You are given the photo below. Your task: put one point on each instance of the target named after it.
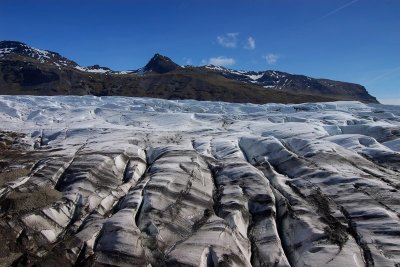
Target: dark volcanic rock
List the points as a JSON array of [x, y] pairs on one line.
[[160, 64], [27, 74]]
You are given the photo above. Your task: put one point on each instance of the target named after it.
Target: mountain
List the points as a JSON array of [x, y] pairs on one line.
[[160, 64], [28, 70], [17, 50], [298, 83]]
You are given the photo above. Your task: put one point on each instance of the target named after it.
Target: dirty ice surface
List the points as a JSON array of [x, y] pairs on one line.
[[189, 183]]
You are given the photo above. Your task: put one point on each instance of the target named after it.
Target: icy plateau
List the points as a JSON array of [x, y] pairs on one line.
[[119, 181]]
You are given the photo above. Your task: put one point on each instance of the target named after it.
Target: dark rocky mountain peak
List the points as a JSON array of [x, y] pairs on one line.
[[13, 49], [160, 64], [11, 44]]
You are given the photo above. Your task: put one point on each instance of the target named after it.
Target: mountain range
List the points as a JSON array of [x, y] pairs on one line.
[[25, 70]]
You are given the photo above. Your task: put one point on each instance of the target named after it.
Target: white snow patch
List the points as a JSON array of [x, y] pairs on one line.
[[255, 76]]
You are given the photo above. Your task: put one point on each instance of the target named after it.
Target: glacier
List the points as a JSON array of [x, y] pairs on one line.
[[120, 181]]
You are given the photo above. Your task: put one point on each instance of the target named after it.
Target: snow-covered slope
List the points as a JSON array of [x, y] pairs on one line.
[[188, 183]]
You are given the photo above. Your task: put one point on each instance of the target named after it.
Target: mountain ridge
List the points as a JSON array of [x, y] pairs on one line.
[[36, 71]]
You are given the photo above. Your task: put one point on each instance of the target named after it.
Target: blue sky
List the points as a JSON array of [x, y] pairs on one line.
[[349, 40]]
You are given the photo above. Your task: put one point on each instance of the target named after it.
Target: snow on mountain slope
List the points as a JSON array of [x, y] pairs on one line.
[[188, 183], [295, 83], [10, 48]]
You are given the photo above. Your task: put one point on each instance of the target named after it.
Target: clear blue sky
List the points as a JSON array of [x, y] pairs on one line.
[[349, 40]]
